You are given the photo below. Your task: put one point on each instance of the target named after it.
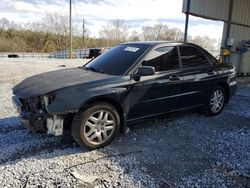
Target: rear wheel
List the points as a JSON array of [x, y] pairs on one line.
[[216, 101], [96, 126]]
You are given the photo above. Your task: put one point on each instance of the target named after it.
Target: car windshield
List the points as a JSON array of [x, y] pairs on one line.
[[117, 60]]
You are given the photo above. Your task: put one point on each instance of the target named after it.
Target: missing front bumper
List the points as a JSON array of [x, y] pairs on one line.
[[52, 125], [17, 104], [34, 124], [39, 121]]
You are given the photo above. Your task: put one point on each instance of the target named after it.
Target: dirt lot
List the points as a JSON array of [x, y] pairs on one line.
[[178, 150]]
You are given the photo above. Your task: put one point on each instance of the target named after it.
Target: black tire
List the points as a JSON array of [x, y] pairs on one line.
[[209, 110], [79, 125]]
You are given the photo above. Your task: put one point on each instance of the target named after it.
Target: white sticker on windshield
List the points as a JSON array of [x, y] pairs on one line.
[[131, 49]]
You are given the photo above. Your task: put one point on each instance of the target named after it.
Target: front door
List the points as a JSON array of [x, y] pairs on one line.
[[158, 93]]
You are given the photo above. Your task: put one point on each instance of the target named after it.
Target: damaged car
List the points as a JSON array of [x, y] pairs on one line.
[[129, 82]]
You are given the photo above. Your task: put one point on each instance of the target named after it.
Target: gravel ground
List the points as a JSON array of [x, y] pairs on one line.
[[177, 150], [15, 70]]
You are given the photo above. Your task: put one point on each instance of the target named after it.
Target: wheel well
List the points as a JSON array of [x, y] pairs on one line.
[[227, 90], [115, 104]]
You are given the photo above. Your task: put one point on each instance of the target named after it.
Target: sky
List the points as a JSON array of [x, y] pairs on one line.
[[136, 13]]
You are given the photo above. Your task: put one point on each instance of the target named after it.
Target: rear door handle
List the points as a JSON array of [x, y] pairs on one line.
[[174, 78], [211, 73]]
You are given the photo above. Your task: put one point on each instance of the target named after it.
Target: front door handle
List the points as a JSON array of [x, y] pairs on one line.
[[174, 78]]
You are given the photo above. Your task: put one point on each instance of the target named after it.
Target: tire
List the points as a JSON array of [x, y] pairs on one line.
[[96, 126], [215, 102]]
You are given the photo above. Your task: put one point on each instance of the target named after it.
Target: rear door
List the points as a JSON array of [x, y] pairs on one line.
[[197, 75]]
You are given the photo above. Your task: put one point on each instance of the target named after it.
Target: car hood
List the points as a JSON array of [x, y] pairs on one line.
[[50, 81]]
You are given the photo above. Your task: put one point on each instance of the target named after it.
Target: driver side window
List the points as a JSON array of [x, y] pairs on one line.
[[163, 59]]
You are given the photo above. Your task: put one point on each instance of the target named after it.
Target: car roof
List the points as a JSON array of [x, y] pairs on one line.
[[157, 43]]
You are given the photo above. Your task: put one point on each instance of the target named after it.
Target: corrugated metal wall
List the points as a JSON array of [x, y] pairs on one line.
[[239, 33], [213, 9], [241, 12], [219, 10]]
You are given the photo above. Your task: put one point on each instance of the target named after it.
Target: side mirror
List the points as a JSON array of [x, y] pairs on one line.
[[146, 71], [143, 71]]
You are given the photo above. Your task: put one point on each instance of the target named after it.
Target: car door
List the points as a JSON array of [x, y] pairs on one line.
[[158, 93], [197, 75]]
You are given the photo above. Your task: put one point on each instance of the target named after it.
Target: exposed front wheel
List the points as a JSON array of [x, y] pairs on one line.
[[96, 126], [216, 101]]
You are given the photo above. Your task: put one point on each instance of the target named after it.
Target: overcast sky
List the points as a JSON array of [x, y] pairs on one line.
[[136, 13]]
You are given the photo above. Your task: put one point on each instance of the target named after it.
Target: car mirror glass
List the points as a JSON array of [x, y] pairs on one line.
[[146, 71]]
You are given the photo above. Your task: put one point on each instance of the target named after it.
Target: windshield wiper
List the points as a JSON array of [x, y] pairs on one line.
[[93, 69]]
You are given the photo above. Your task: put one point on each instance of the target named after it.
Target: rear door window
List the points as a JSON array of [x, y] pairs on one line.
[[192, 57]]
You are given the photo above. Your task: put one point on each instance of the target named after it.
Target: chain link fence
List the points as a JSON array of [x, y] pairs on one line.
[[78, 54], [24, 55]]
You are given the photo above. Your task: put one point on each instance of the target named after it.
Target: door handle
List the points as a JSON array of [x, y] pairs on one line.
[[174, 78], [211, 73]]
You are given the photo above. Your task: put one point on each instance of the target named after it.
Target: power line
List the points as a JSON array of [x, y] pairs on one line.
[[63, 7], [75, 8]]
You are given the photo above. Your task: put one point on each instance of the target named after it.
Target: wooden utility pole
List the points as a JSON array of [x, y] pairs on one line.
[[70, 28], [83, 33]]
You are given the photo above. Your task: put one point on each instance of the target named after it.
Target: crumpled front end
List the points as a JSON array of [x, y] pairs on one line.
[[35, 116]]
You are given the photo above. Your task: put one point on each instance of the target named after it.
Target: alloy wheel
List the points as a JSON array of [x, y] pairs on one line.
[[217, 101], [99, 127]]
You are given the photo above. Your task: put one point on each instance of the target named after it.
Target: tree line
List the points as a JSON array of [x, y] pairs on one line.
[[52, 34]]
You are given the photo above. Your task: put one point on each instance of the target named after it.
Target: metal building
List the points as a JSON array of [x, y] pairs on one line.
[[234, 13]]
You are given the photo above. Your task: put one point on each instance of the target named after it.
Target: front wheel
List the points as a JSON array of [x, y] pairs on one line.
[[216, 102], [96, 126]]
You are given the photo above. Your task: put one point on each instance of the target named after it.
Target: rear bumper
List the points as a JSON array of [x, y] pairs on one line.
[[233, 88]]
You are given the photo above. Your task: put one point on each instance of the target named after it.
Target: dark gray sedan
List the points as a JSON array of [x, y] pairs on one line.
[[129, 82]]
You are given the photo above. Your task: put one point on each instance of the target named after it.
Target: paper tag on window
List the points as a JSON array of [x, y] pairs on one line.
[[131, 49]]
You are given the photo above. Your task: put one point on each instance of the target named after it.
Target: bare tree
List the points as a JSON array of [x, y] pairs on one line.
[[114, 32], [52, 34], [174, 34], [59, 25], [134, 36], [204, 41], [161, 32], [4, 24], [156, 32], [120, 30], [148, 33]]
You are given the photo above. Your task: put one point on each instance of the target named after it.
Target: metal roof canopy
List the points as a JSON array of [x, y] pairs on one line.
[[232, 12]]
